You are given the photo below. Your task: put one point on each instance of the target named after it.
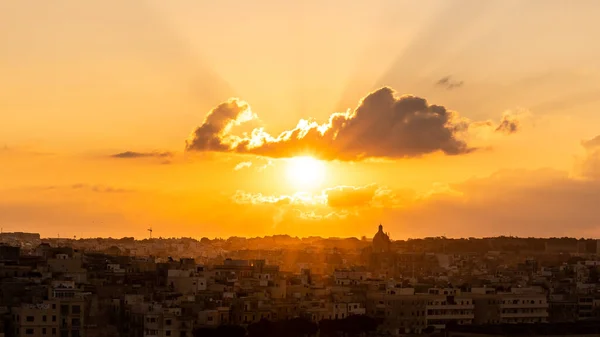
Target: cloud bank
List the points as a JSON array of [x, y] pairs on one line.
[[383, 125], [544, 202], [134, 155]]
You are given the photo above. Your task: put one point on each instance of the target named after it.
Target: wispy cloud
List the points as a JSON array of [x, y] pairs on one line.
[[133, 155], [510, 123], [242, 165], [98, 188], [448, 83]]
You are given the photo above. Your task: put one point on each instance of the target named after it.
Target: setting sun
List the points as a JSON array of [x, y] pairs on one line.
[[305, 172]]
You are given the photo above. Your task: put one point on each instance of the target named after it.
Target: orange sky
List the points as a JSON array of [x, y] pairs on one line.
[[456, 118]]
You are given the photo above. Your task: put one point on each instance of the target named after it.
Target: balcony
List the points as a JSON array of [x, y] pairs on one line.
[[451, 316], [450, 306], [358, 311], [541, 314], [523, 305]]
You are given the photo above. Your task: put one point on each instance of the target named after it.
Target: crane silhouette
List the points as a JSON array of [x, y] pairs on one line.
[[150, 230]]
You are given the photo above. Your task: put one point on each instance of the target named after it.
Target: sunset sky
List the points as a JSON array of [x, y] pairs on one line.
[[327, 117]]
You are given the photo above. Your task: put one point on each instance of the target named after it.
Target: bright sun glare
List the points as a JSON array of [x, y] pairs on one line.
[[305, 172]]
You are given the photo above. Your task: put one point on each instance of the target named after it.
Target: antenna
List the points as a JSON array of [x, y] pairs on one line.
[[150, 230]]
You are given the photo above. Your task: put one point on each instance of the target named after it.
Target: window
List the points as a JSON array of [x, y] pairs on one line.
[[43, 331], [168, 322], [64, 309], [54, 331], [29, 331], [168, 333], [53, 305], [76, 309], [44, 318], [53, 318], [29, 318]]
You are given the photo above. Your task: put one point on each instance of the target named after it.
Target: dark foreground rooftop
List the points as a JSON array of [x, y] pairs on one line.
[[589, 328]]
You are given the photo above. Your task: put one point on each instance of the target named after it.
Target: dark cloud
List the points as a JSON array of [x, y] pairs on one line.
[[212, 134], [383, 125], [448, 83], [509, 124], [592, 143], [133, 155]]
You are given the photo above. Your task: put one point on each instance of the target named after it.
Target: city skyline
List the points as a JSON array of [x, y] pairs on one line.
[[203, 119]]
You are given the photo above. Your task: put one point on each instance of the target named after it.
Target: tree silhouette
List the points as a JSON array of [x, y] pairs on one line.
[[230, 331], [428, 330], [302, 327], [204, 332], [357, 325], [329, 327], [264, 328]]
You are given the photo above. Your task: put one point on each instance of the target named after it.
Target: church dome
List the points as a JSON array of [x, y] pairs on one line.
[[381, 241]]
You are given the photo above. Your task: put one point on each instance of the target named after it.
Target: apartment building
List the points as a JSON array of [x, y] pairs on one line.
[[37, 320], [62, 315], [588, 307], [520, 305], [405, 311], [402, 311], [61, 318], [213, 317], [156, 320], [71, 304], [69, 266], [186, 281], [251, 310], [345, 277], [446, 306]]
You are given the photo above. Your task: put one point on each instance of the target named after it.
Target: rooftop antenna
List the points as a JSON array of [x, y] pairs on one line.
[[150, 230]]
